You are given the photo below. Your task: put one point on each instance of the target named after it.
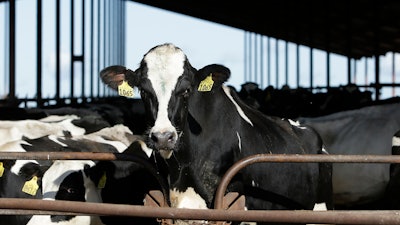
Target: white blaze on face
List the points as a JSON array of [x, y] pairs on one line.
[[165, 66]]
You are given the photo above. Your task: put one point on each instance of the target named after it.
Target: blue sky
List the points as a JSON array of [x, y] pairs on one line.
[[203, 42]]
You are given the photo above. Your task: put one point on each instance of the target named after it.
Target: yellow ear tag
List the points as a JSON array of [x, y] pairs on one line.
[[125, 90], [206, 84], [1, 169], [30, 187], [102, 181]]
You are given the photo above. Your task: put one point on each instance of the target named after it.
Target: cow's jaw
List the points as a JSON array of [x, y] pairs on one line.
[[165, 65]]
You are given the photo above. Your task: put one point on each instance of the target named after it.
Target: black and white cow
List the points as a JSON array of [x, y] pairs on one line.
[[75, 180], [201, 128], [365, 131], [392, 195]]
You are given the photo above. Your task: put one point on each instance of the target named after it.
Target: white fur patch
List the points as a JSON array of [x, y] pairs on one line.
[[296, 123], [239, 141], [396, 141], [14, 130], [319, 207], [239, 110], [188, 199], [146, 149]]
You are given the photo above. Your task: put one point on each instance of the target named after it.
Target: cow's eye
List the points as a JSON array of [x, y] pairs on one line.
[[143, 93], [186, 93]]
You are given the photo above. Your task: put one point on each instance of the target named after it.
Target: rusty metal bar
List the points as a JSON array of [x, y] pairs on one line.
[[297, 216], [218, 214], [275, 158], [307, 158]]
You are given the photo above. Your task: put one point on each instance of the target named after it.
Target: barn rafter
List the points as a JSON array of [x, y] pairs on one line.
[[357, 28]]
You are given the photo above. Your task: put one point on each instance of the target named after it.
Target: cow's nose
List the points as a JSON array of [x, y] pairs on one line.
[[163, 139]]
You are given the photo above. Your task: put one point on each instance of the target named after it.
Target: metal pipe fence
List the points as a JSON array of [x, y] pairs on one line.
[[43, 207]]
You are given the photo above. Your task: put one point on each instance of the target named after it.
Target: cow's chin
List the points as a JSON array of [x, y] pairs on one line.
[[166, 153]]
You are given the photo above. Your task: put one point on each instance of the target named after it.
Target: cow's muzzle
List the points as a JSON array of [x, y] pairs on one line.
[[164, 142]]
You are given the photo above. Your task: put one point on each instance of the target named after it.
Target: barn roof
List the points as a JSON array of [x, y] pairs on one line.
[[355, 28]]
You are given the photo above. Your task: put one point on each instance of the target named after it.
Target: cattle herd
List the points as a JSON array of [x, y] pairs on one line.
[[189, 128]]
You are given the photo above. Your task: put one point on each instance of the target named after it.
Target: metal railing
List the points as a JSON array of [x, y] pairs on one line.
[[29, 206]]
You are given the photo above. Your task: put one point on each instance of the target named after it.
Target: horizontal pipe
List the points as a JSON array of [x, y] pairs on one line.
[[275, 158], [297, 216]]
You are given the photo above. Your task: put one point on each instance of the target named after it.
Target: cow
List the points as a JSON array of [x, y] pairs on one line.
[[128, 182], [201, 127], [392, 197], [365, 131], [76, 180]]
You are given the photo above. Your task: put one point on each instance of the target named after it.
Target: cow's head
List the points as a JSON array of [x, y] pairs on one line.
[[164, 79]]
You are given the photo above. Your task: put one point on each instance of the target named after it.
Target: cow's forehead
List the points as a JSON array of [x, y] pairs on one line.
[[165, 65]]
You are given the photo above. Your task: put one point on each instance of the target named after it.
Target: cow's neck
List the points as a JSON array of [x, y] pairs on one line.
[[199, 163]]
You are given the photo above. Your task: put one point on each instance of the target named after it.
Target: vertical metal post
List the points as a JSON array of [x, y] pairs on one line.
[[58, 52], [83, 82], [11, 56], [311, 68], [366, 71], [354, 71], [377, 76], [255, 58], [277, 63], [286, 63], [348, 69], [328, 37], [262, 62], [245, 56], [393, 74], [376, 23], [269, 61], [72, 35], [91, 61], [297, 65], [104, 34], [98, 46], [250, 58], [39, 102]]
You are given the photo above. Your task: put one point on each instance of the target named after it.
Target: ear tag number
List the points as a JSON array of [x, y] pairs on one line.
[[125, 90], [206, 84], [1, 169], [102, 181], [30, 187]]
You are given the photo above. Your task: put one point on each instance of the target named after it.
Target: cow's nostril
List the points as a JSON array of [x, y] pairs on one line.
[[154, 137]]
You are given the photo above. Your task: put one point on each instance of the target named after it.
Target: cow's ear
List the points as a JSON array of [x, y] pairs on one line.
[[113, 76], [219, 74]]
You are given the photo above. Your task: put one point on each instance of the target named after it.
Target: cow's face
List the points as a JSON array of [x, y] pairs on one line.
[[164, 80]]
